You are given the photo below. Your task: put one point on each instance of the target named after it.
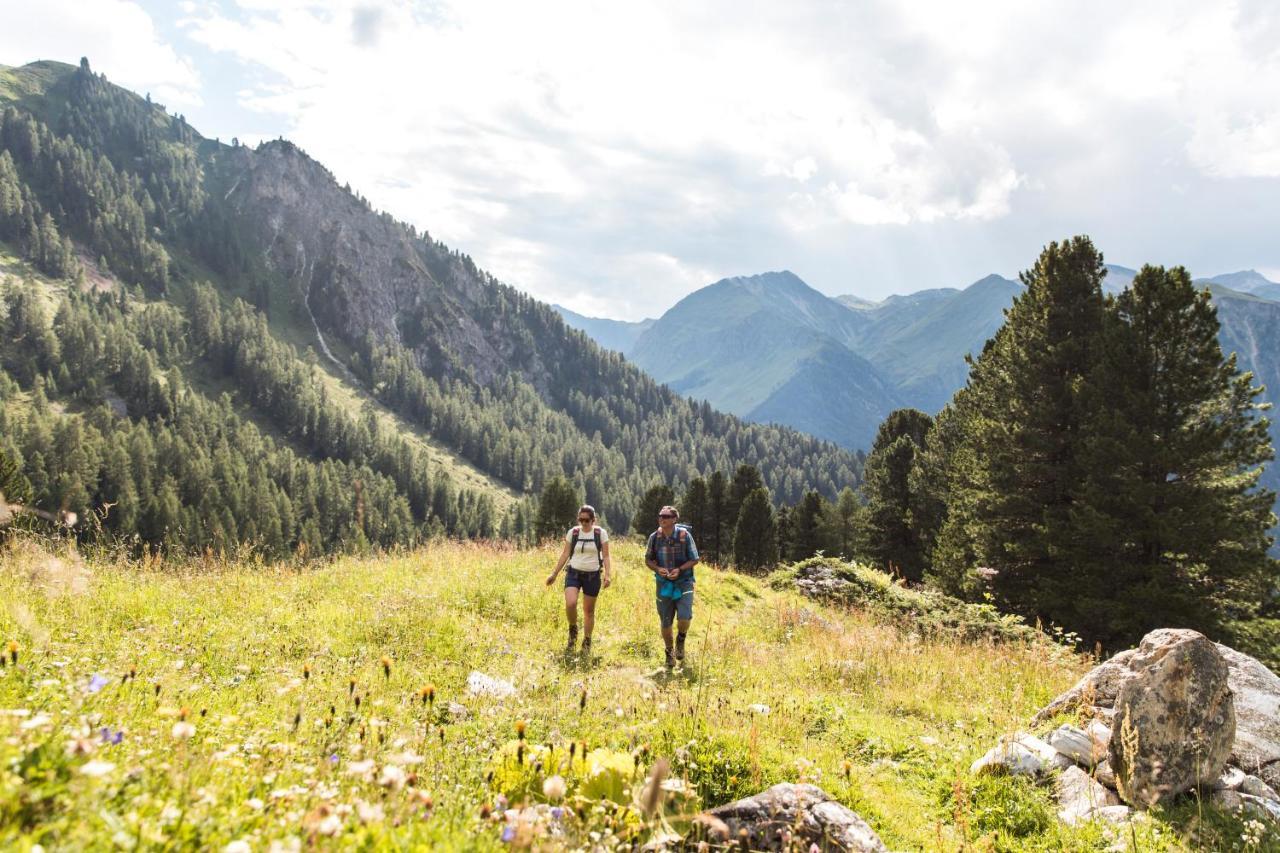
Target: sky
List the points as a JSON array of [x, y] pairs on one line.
[[614, 157]]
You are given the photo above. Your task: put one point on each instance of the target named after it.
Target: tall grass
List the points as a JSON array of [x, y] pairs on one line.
[[209, 702]]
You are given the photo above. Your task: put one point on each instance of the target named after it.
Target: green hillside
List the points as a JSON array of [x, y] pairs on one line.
[[248, 286], [192, 706]]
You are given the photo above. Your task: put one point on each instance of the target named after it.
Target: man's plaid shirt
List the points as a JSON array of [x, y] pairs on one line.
[[669, 552]]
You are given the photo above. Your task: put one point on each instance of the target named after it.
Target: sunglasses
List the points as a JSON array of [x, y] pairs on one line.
[[667, 515], [584, 518]]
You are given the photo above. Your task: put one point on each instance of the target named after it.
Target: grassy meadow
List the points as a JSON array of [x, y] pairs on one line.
[[223, 705]]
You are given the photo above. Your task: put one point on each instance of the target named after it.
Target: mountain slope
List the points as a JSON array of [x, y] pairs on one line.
[[1249, 281], [616, 335], [474, 366], [767, 347]]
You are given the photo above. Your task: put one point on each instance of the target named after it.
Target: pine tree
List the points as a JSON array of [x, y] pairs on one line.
[[1012, 479], [556, 508], [890, 538], [718, 521], [842, 523], [1172, 529], [806, 527], [695, 506], [645, 521], [746, 479], [755, 544]]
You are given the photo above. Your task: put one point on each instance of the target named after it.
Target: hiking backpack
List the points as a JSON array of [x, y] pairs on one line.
[[599, 548]]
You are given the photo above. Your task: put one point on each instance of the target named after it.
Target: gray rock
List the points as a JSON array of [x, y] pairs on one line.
[[1231, 778], [1256, 748], [784, 814], [1008, 757], [1079, 796], [481, 684], [1050, 758], [1174, 718], [458, 712], [1234, 801], [1077, 745], [1116, 814], [1104, 774], [1255, 787]]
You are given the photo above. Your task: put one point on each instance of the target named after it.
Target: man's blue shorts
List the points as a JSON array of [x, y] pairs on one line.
[[670, 609], [588, 582]]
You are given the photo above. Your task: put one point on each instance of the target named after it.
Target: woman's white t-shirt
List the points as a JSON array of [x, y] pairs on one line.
[[584, 557]]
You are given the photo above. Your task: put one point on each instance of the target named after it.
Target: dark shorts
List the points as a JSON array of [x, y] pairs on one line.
[[671, 609], [588, 582]]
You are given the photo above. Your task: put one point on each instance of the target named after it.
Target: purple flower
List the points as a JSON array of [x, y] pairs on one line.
[[508, 832], [110, 737], [96, 683], [557, 812], [333, 759]]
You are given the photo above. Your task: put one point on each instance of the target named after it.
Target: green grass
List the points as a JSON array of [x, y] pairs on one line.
[[884, 719]]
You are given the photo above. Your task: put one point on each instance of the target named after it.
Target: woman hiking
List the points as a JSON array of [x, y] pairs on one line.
[[586, 550]]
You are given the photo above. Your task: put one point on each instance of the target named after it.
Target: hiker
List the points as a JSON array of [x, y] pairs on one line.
[[671, 555], [586, 550]]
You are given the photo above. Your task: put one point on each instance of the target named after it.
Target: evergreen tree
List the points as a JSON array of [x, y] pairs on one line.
[[695, 507], [1012, 482], [645, 521], [718, 521], [842, 523], [1171, 527], [890, 539], [746, 479], [556, 508], [806, 527], [755, 544]]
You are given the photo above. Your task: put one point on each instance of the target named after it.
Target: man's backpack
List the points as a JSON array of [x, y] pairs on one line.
[[599, 547], [683, 533]]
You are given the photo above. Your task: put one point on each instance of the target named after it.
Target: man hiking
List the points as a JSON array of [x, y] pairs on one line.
[[586, 550], [671, 555]]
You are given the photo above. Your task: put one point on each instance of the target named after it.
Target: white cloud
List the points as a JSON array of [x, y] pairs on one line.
[[119, 38]]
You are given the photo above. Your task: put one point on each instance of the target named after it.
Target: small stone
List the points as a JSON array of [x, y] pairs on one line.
[[1049, 757], [458, 711], [786, 813], [1079, 796], [1104, 774], [1255, 787], [1076, 745], [1011, 757], [480, 684], [1231, 778]]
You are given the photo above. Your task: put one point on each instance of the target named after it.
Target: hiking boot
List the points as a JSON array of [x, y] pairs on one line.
[[671, 660], [680, 648], [573, 641], [586, 647]]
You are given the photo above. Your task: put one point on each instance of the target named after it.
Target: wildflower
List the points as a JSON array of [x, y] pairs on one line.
[[392, 777], [13, 652], [386, 666], [184, 712], [357, 701], [96, 768], [520, 727], [351, 686], [157, 686], [362, 769], [369, 812], [429, 695], [485, 812], [39, 721], [329, 825], [182, 730], [582, 700], [424, 797], [96, 683], [553, 788], [306, 672], [256, 804], [79, 746], [846, 767], [238, 846], [133, 673]]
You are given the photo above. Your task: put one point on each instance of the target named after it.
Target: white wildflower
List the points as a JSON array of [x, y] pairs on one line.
[[238, 846], [362, 769], [553, 788], [759, 708], [369, 812], [97, 768], [255, 803], [182, 730], [39, 721], [392, 777], [330, 825]]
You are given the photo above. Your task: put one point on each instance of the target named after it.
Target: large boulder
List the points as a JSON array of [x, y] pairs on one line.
[[1256, 690], [1174, 720], [788, 814], [1257, 697]]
